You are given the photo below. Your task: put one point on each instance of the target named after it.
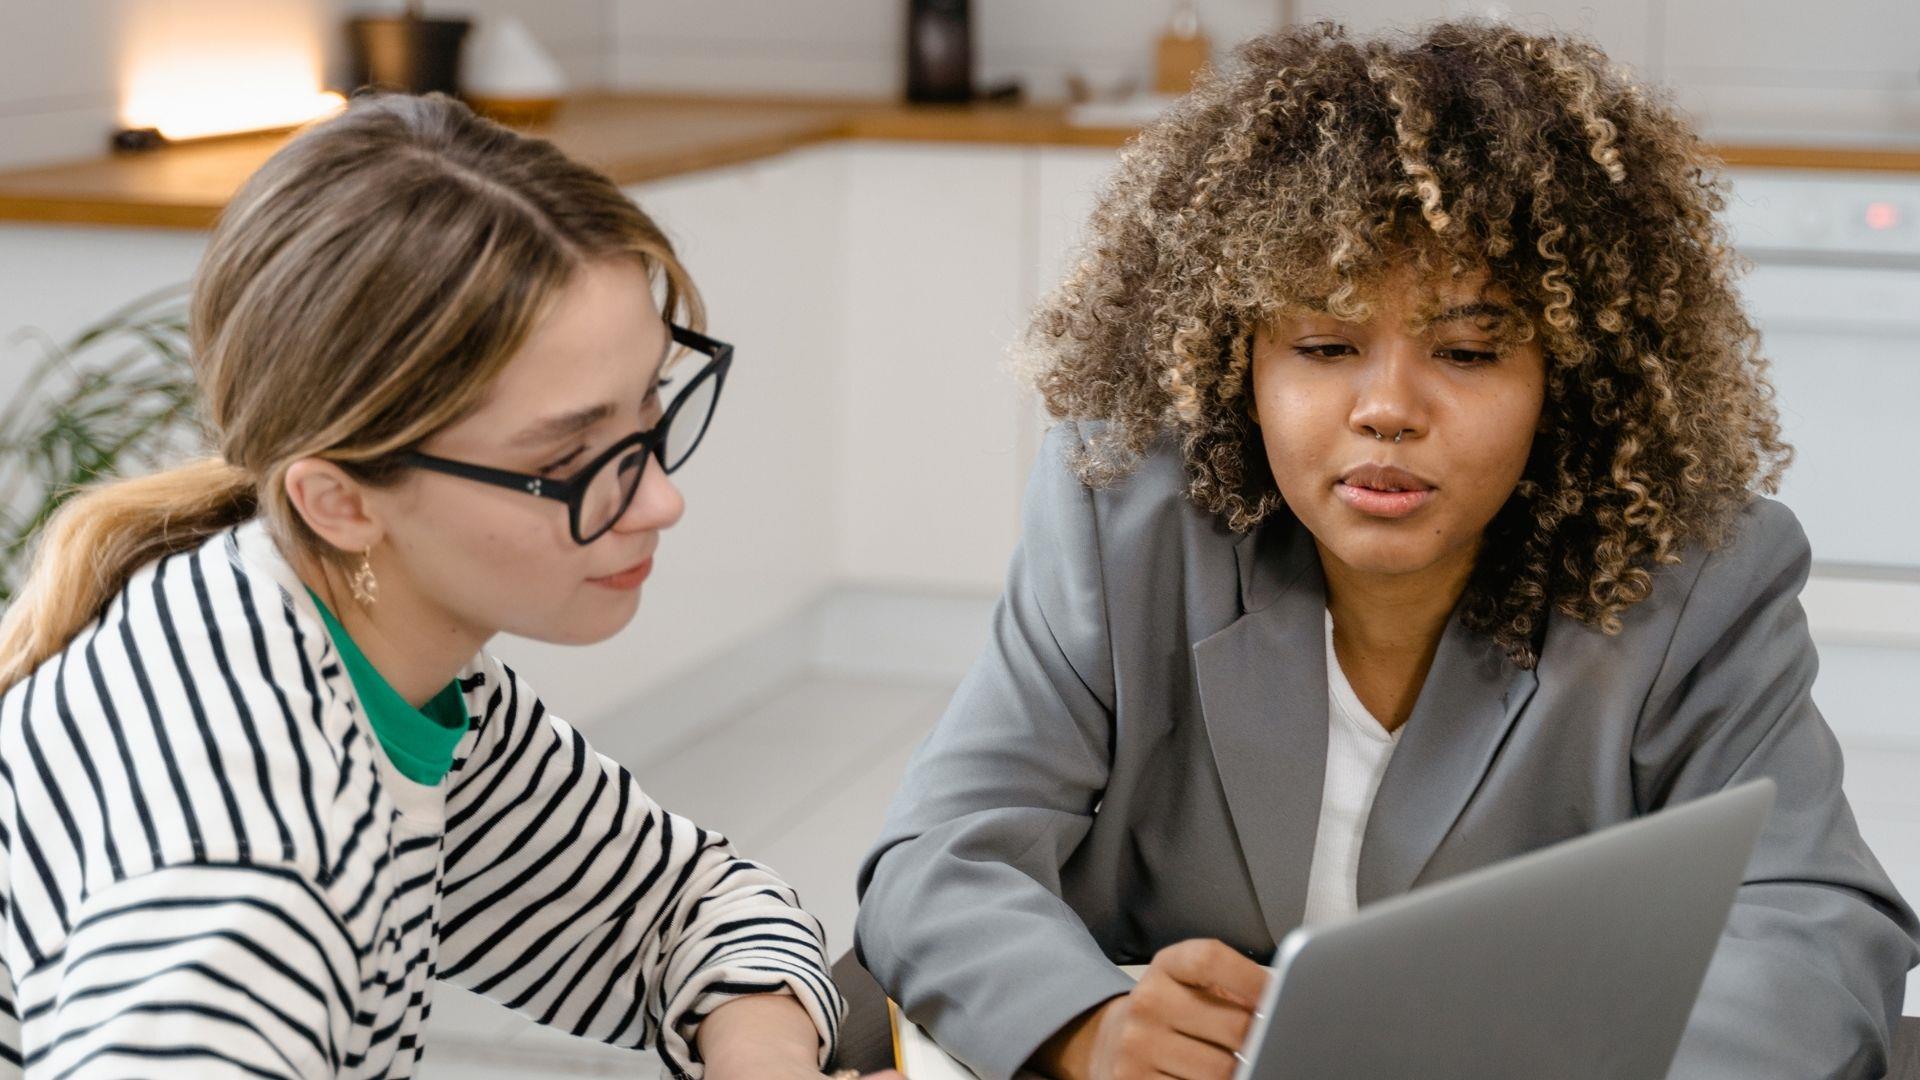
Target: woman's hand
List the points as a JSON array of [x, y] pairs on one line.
[[792, 1072], [1185, 1017]]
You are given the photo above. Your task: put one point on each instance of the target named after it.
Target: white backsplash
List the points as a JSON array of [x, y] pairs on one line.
[[1768, 70]]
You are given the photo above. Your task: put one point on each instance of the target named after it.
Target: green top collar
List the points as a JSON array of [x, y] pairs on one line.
[[419, 742]]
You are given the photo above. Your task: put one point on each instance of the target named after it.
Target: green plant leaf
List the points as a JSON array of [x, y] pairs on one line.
[[118, 394]]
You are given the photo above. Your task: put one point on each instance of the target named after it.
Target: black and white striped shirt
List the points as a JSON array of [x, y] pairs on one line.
[[209, 868]]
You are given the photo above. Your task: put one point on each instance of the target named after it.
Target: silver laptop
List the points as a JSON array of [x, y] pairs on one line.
[[1578, 961]]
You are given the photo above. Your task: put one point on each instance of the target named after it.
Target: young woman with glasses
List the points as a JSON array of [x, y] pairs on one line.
[[260, 785]]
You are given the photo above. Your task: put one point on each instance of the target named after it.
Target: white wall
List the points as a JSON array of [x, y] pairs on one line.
[[54, 280], [1765, 68], [1841, 70], [825, 47], [65, 65], [1781, 68], [68, 66], [1041, 43], [58, 89]]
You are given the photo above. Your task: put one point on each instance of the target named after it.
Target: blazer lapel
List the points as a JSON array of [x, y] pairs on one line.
[[1466, 706], [1263, 692]]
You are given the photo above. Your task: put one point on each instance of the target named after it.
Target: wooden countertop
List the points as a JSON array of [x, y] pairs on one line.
[[635, 138]]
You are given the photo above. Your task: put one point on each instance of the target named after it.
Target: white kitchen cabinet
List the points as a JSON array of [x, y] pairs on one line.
[[936, 238], [1069, 183]]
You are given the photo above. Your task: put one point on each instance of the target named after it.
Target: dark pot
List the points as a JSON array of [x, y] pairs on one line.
[[414, 55], [939, 50]]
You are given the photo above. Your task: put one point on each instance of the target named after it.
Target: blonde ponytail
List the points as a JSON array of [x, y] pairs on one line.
[[98, 538]]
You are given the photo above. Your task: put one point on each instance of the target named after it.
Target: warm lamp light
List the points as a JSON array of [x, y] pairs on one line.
[[221, 67], [198, 113]]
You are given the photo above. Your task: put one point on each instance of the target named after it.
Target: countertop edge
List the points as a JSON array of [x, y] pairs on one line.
[[31, 195]]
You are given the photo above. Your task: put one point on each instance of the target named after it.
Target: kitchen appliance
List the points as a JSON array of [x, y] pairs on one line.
[[1835, 288], [939, 51], [510, 76], [1835, 291]]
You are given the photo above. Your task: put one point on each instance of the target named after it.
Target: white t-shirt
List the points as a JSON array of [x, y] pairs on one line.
[[1357, 752]]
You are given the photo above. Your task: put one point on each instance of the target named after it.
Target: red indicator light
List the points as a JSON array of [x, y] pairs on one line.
[[1882, 215]]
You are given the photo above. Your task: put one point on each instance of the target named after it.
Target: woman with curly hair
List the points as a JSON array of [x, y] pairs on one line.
[[1404, 516]]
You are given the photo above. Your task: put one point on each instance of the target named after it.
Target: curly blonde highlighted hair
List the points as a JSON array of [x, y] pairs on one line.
[[1314, 163]]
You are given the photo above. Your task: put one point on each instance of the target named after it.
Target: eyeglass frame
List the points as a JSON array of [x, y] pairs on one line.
[[572, 490]]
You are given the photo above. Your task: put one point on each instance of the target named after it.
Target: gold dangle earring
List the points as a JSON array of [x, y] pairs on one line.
[[366, 588]]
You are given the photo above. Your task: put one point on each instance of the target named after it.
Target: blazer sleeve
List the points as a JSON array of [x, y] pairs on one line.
[[1810, 972], [572, 897], [961, 918]]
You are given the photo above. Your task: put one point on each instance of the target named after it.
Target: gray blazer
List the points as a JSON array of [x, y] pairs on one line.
[[1137, 758]]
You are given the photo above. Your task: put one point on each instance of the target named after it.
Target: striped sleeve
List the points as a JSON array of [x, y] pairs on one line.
[[197, 971], [9, 1023], [573, 898]]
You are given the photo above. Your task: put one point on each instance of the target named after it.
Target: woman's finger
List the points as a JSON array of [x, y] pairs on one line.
[[1187, 1058], [1193, 1012], [1215, 967]]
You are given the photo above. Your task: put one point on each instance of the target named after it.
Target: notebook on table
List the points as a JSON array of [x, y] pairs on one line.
[[918, 1057]]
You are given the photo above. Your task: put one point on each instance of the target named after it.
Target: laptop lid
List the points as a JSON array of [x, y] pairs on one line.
[[1580, 960]]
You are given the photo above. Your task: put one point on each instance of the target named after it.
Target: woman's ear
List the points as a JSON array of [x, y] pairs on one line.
[[332, 503]]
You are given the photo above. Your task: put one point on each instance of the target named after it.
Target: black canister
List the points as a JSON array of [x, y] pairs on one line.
[[410, 53], [939, 51]]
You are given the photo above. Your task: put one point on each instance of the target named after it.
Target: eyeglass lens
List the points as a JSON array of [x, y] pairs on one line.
[[611, 489], [690, 420]]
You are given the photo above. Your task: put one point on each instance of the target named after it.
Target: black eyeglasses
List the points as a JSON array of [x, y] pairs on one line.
[[602, 489]]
